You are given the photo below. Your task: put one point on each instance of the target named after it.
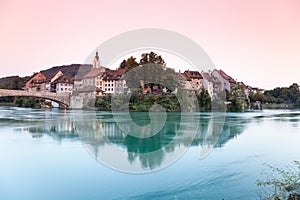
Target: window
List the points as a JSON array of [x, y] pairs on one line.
[[108, 85], [105, 85], [108, 89]]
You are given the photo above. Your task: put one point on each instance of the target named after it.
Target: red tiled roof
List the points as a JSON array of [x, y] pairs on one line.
[[184, 76], [64, 79], [119, 73], [52, 76], [193, 74], [227, 77], [94, 72], [207, 76], [109, 74]]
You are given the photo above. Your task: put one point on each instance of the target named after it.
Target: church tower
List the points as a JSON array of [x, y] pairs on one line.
[[96, 62]]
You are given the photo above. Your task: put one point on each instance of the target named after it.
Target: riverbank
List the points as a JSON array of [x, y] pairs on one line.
[[7, 104], [277, 106]]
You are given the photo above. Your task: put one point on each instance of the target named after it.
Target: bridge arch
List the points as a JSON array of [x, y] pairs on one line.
[[61, 99]]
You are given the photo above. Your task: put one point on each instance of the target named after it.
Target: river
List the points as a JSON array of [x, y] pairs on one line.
[[57, 154]]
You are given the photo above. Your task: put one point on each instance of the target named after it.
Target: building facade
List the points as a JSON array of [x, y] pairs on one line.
[[37, 82], [64, 85]]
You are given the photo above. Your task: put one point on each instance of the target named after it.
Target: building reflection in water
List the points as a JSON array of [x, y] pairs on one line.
[[101, 135]]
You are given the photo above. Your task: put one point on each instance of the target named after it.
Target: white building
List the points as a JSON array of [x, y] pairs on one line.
[[64, 85], [49, 82], [192, 80], [227, 81], [208, 83]]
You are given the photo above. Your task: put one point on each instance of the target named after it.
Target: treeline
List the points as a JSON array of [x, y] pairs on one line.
[[17, 83], [27, 102], [13, 82], [280, 95], [143, 103]]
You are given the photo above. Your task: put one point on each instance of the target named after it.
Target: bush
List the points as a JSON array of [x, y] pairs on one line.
[[281, 184]]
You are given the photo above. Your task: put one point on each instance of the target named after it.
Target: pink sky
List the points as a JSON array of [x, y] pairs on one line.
[[255, 41]]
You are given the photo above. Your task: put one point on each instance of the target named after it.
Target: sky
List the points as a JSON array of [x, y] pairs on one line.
[[254, 41]]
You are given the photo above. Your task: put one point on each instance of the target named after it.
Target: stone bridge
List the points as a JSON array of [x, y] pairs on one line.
[[61, 99]]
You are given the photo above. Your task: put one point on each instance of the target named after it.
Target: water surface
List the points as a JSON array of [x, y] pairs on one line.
[[50, 155]]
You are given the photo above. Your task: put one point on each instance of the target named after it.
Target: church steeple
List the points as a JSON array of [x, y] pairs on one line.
[[97, 56], [96, 62]]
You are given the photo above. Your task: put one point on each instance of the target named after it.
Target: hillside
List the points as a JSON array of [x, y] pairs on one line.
[[17, 82], [13, 82], [68, 70]]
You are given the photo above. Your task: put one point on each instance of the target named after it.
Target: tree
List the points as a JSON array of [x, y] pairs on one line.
[[151, 69], [257, 97], [237, 98], [152, 58], [287, 95], [129, 64], [204, 100], [281, 183]]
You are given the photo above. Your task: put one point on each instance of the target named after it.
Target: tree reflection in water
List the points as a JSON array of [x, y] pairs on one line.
[[102, 132]]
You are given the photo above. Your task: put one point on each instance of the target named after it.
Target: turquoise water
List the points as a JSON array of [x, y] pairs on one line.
[[85, 155]]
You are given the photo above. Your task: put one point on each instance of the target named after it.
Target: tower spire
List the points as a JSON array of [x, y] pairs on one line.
[[97, 56], [96, 62]]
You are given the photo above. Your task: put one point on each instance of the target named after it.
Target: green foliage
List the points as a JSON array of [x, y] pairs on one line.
[[152, 58], [257, 97], [140, 103], [103, 103], [155, 74], [27, 102], [238, 99], [129, 64], [204, 100], [285, 95], [13, 83], [144, 102], [281, 183]]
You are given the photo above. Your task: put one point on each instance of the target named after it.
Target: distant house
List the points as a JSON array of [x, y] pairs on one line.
[[193, 80], [211, 83], [208, 83], [37, 82], [108, 81], [120, 82], [255, 90], [50, 80], [227, 81], [64, 85], [92, 82]]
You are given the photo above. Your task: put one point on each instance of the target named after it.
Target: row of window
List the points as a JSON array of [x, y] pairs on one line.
[[61, 89], [120, 85], [65, 84]]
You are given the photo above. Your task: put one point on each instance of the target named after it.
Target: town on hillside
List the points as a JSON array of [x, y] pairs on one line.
[[100, 81]]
